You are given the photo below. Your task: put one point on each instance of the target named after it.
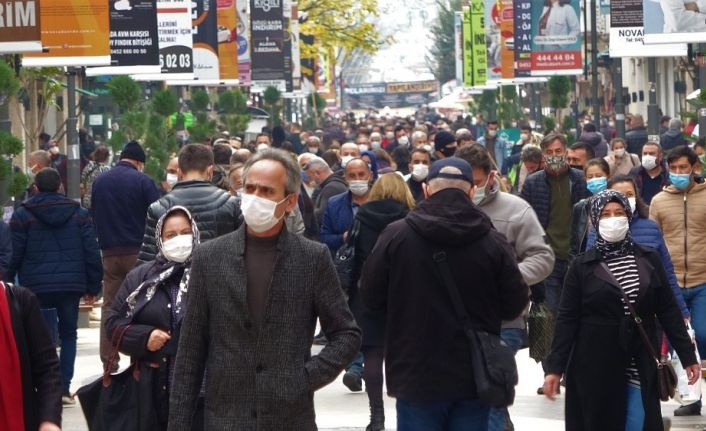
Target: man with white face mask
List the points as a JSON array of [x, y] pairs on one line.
[[419, 164], [243, 284], [651, 176], [349, 151]]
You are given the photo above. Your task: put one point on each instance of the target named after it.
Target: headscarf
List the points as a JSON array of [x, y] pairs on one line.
[[373, 163], [163, 270], [607, 249]]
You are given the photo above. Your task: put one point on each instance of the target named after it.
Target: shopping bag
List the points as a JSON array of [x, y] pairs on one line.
[[686, 394], [540, 323]]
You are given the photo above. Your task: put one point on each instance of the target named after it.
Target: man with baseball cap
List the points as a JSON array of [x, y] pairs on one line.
[[430, 377]]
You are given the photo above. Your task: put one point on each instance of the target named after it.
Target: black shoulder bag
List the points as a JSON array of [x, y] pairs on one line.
[[492, 361], [666, 377], [344, 261]]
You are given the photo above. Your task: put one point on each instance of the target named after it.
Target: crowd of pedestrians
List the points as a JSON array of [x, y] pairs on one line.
[[212, 279]]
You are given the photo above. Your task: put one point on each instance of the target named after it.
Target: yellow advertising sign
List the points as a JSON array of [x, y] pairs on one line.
[[76, 32], [227, 40]]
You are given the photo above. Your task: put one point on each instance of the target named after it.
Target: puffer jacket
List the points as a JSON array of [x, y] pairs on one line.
[[54, 246], [596, 141], [646, 233], [681, 217], [635, 139], [537, 192], [216, 213]]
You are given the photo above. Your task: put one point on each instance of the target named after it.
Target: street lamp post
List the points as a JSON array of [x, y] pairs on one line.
[[619, 102], [74, 161], [652, 108], [595, 104]]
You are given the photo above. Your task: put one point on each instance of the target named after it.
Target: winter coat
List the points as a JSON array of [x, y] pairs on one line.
[[54, 246], [263, 378], [596, 141], [672, 138], [635, 139], [88, 177], [374, 217], [330, 187], [5, 248], [216, 213], [119, 204], [594, 340], [681, 217], [537, 192], [622, 166], [337, 220], [401, 278], [39, 364], [416, 188], [501, 147], [646, 233], [579, 227], [639, 173]]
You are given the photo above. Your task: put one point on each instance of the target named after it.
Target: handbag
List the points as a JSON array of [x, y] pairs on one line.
[[344, 261], [666, 376], [121, 401], [540, 324], [492, 361]]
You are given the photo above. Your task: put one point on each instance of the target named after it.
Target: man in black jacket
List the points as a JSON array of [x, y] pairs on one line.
[[329, 184], [427, 354], [216, 212]]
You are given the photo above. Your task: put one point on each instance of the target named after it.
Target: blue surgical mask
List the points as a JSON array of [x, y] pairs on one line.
[[680, 181], [597, 185]]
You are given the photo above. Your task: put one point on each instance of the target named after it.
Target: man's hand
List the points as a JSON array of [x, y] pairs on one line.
[[158, 339], [89, 299], [693, 373], [345, 236], [551, 385], [49, 426]]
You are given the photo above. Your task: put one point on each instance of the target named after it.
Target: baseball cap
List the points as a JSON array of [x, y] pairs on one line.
[[452, 168]]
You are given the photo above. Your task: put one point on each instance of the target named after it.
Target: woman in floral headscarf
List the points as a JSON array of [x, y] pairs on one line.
[[151, 304], [611, 376]]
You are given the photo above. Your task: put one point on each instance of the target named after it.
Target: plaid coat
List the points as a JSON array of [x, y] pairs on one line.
[[265, 380]]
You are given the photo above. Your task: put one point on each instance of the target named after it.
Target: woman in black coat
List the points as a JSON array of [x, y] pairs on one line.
[[611, 377], [389, 201], [28, 362], [151, 303]]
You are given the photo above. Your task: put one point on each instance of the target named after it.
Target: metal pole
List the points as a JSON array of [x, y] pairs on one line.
[[702, 81], [595, 105], [652, 108], [74, 162], [619, 102]]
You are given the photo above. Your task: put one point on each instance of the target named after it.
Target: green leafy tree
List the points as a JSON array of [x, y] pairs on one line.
[[441, 58], [273, 104], [559, 88], [12, 183], [204, 126], [234, 111], [315, 110], [509, 108]]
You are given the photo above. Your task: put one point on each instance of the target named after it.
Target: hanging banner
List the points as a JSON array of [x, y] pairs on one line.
[[308, 66], [325, 75], [267, 37], [458, 46], [475, 59], [19, 27], [134, 44], [205, 32], [627, 31], [76, 33], [296, 49], [507, 41], [674, 21], [287, 47], [556, 38], [493, 43], [391, 95], [243, 35], [522, 45], [227, 40]]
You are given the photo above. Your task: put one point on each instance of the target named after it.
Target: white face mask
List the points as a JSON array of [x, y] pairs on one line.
[[376, 145], [479, 195], [363, 148], [172, 179], [420, 171], [358, 187], [178, 249], [259, 213], [345, 160], [313, 150], [404, 141], [619, 152], [390, 135], [428, 148], [261, 147], [613, 229], [633, 205], [649, 162], [492, 133]]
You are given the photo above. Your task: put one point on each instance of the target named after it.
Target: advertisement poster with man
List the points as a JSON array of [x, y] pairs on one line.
[[674, 21], [556, 38]]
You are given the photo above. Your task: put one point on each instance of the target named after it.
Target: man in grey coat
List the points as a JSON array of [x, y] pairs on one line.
[[254, 297]]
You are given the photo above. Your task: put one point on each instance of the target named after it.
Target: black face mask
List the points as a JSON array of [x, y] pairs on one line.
[[448, 151]]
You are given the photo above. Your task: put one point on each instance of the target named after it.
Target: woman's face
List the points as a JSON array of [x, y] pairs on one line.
[[175, 225], [626, 188], [613, 209], [618, 146], [595, 171]]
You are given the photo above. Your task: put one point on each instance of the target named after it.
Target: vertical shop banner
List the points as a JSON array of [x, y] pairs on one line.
[[523, 38], [76, 33], [507, 41], [296, 48], [325, 75], [458, 46], [205, 32], [674, 21], [243, 35], [556, 38], [287, 47], [493, 43], [475, 57], [627, 31], [308, 66], [227, 40], [19, 27], [267, 38]]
